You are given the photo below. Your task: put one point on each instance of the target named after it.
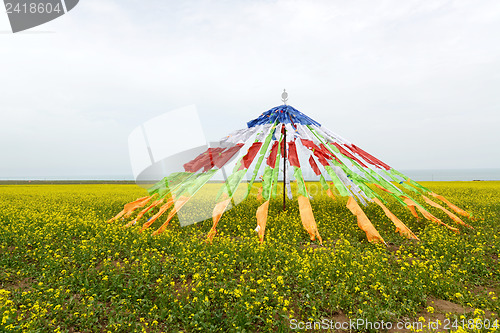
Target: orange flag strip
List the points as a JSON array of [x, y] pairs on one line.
[[216, 215], [259, 194], [138, 205], [411, 207], [330, 194], [450, 214], [177, 206], [144, 211], [363, 222], [262, 219], [400, 226], [452, 206], [412, 210], [428, 215], [129, 208], [162, 210], [382, 188], [306, 214]]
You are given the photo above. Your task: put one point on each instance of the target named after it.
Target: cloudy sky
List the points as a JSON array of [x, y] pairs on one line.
[[416, 83]]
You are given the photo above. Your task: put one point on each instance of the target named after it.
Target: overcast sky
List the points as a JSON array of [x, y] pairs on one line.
[[415, 83]]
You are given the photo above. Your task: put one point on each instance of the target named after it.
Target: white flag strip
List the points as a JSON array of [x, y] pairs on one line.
[[349, 184], [329, 134], [238, 136], [304, 132], [287, 181], [264, 132], [291, 133]]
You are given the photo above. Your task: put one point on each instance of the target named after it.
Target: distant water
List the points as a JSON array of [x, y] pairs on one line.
[[418, 175], [452, 174], [72, 177]]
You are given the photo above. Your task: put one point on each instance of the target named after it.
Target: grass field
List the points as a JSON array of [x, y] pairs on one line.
[[64, 269]]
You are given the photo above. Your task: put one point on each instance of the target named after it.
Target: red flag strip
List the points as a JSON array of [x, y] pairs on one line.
[[247, 160], [195, 164], [308, 144], [328, 153], [227, 155], [322, 160], [320, 155], [271, 159], [209, 163], [314, 166], [348, 154], [211, 157], [201, 161], [293, 158], [368, 157]]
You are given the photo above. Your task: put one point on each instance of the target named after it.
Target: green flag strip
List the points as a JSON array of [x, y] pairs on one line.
[[414, 183], [353, 176], [191, 186], [410, 188], [308, 154], [323, 182], [170, 183], [382, 181], [301, 186], [339, 185], [267, 182], [188, 184], [404, 185], [262, 153], [397, 193], [276, 169], [270, 175], [394, 190], [234, 180], [231, 184], [392, 176], [370, 174], [335, 152]]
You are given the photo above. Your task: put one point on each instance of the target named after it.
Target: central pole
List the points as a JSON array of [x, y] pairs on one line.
[[284, 168], [284, 98]]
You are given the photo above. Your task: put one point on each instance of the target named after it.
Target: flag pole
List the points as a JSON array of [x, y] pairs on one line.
[[284, 168], [284, 98]]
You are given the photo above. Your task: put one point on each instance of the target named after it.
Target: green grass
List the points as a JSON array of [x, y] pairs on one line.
[[63, 268]]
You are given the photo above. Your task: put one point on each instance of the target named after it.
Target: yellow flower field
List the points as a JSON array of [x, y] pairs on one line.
[[64, 269]]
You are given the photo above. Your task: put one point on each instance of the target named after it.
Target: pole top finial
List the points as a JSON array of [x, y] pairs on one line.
[[284, 96]]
